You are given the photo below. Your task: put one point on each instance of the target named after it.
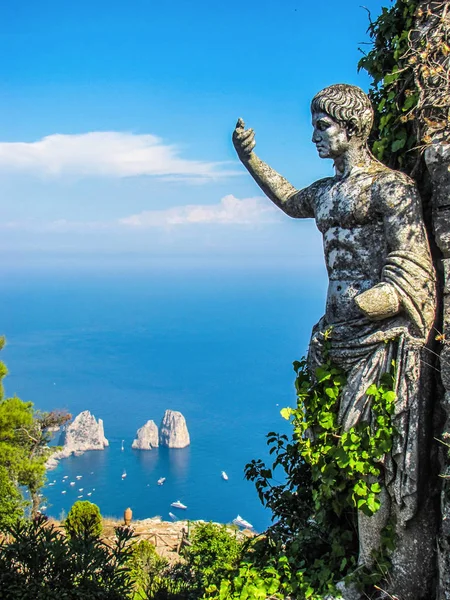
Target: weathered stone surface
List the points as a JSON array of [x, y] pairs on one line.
[[441, 219], [173, 431], [444, 537], [84, 433], [437, 158], [147, 437], [380, 307], [446, 265]]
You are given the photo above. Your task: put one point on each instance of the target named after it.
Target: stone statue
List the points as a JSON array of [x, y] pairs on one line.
[[380, 303]]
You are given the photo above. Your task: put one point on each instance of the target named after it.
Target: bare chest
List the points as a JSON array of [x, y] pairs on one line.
[[346, 204]]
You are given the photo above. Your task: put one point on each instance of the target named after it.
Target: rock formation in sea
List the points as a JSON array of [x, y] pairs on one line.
[[84, 433], [173, 431], [147, 437]]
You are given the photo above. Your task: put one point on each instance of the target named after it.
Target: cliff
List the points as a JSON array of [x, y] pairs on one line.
[[147, 437], [84, 433], [173, 431]]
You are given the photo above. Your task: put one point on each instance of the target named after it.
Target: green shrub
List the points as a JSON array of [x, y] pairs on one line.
[[213, 551], [212, 554], [146, 569], [84, 517], [38, 562]]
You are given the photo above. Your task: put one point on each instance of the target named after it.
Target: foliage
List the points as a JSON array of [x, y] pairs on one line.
[[329, 474], [409, 65], [342, 463], [37, 562], [24, 437], [11, 501], [83, 517], [172, 582], [147, 570], [212, 553]]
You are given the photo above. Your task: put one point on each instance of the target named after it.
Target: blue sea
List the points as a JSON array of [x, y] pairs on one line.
[[127, 344]]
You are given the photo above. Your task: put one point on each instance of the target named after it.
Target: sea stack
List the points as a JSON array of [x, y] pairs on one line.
[[147, 437], [173, 432], [84, 433]]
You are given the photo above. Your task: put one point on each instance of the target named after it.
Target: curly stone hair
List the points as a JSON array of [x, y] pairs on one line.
[[347, 104]]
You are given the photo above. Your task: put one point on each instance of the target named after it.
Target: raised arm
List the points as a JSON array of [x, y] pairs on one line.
[[295, 203]]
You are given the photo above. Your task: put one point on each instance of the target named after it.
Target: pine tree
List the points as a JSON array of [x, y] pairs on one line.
[[24, 437]]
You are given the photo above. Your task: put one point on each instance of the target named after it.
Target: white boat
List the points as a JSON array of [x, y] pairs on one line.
[[51, 484], [161, 480], [72, 483], [80, 496], [224, 476], [43, 508], [124, 474], [122, 448], [89, 494], [178, 504], [240, 522], [64, 492], [78, 476], [66, 477], [172, 516], [80, 489]]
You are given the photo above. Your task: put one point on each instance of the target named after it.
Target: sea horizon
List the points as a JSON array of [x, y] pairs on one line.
[[215, 344]]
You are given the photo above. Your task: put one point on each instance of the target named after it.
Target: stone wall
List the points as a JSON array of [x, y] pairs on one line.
[[437, 158]]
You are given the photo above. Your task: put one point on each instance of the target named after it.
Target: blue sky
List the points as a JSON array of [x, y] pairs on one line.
[[116, 119]]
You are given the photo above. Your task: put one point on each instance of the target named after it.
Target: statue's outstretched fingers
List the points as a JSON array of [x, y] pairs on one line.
[[248, 141], [247, 133]]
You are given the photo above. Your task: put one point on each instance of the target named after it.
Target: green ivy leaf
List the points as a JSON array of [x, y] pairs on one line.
[[372, 390], [286, 413], [398, 144], [322, 374]]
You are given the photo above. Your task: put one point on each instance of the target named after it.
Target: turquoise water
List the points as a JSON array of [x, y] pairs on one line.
[[216, 345]]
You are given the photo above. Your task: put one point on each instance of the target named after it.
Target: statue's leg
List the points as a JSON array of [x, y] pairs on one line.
[[370, 528], [369, 533], [414, 555]]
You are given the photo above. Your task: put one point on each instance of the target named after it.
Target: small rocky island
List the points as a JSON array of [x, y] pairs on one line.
[[84, 433], [173, 432], [147, 437]]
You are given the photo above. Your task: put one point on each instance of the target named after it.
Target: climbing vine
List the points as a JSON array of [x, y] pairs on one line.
[[345, 466], [329, 474], [410, 65]]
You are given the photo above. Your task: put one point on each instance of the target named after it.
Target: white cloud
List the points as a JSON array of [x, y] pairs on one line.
[[229, 210], [106, 154]]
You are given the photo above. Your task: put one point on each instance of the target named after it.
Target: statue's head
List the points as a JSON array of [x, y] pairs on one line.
[[342, 115]]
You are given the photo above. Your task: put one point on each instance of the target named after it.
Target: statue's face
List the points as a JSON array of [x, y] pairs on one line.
[[330, 137]]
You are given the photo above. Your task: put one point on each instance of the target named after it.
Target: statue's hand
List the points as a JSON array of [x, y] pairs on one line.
[[243, 140], [380, 302]]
